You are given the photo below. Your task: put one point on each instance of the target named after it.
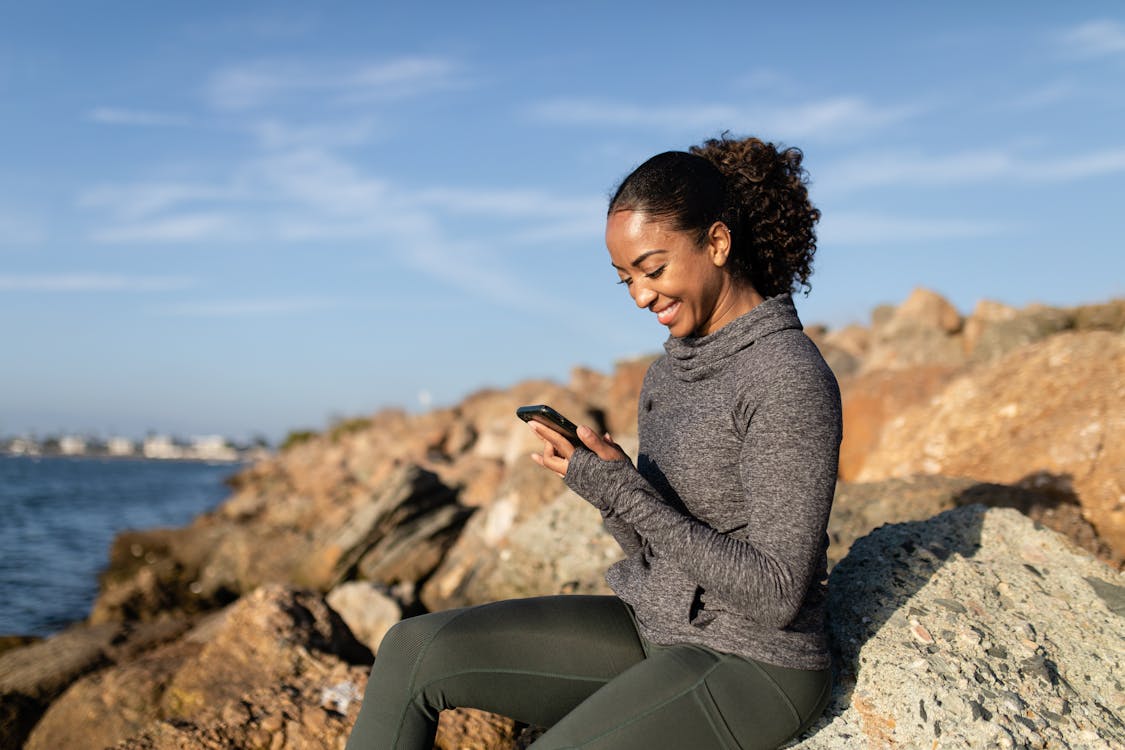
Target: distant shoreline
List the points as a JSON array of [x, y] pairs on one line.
[[137, 458]]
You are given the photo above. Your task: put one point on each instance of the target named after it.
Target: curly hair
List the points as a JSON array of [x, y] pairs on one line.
[[758, 190]]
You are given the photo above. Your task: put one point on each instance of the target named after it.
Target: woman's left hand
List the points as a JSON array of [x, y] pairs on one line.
[[557, 450]]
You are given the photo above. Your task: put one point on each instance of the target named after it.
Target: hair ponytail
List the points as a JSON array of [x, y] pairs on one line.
[[757, 190]]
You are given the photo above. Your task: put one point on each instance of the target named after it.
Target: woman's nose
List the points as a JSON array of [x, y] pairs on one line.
[[642, 295]]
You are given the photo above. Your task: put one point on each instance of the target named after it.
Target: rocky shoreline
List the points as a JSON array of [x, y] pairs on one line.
[[977, 541]]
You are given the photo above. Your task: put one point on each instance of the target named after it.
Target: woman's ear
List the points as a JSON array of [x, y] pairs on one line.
[[719, 243]]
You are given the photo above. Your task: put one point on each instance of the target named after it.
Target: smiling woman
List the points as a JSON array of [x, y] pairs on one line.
[[715, 636]]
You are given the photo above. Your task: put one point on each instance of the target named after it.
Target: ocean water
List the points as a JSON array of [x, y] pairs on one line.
[[58, 516]]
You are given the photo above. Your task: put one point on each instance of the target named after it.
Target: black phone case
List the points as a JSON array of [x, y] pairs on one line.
[[545, 415]]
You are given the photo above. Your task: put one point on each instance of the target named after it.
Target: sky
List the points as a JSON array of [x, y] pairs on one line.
[[250, 218]]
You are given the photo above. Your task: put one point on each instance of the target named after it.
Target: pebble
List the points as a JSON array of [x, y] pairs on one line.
[[919, 632]]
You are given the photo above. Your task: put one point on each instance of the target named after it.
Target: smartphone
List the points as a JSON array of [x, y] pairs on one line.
[[545, 415]]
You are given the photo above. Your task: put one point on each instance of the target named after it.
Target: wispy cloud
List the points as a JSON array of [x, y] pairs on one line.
[[251, 86], [186, 228], [18, 230], [141, 118], [842, 116], [966, 167], [847, 228], [276, 134], [250, 307], [92, 282], [1101, 38]]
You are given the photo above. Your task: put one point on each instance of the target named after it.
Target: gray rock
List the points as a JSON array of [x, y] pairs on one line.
[[1031, 657]]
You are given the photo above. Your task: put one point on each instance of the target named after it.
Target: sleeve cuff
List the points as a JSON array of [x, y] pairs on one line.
[[594, 479]]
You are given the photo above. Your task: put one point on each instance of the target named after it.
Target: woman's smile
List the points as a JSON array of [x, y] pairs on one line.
[[670, 274]]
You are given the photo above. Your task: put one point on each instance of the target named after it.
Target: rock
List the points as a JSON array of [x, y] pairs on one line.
[[1108, 316], [32, 676], [10, 642], [921, 331], [1050, 415], [975, 628], [537, 538], [403, 533], [368, 612], [277, 656], [860, 507], [470, 729], [872, 399], [115, 703], [995, 333]]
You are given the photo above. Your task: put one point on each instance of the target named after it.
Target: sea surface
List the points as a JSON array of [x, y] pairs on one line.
[[58, 516]]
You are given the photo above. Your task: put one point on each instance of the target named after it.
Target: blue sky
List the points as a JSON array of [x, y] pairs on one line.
[[245, 218]]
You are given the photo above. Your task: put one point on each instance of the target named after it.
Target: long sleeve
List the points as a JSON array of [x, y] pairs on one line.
[[787, 467]]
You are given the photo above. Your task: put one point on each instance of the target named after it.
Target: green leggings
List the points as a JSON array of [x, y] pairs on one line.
[[576, 664]]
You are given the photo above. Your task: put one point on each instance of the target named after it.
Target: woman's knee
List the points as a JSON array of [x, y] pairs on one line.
[[409, 642]]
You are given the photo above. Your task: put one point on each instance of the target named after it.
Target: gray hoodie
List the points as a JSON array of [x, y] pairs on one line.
[[723, 519]]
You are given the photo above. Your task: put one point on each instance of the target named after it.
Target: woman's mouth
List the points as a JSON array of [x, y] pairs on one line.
[[668, 314]]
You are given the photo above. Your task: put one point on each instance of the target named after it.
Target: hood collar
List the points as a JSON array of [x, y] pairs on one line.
[[696, 357]]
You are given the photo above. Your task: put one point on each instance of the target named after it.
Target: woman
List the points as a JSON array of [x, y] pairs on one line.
[[715, 638]]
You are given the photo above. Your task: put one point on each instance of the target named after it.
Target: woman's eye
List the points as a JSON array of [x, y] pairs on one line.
[[655, 274], [625, 281]]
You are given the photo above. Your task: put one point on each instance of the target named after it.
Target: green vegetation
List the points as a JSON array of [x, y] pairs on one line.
[[296, 437]]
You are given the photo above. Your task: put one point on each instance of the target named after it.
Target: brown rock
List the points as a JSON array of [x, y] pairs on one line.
[[273, 634], [861, 507], [32, 676], [926, 309], [368, 612], [921, 331], [870, 400], [113, 704], [470, 729], [276, 652], [1051, 411], [1001, 331], [1108, 316]]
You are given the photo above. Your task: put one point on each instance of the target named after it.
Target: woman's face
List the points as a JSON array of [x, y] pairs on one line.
[[666, 272]]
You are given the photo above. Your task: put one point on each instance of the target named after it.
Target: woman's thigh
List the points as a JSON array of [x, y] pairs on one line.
[[531, 659], [691, 697]]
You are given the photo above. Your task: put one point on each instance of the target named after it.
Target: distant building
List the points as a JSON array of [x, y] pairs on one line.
[[212, 448], [72, 445], [161, 446], [120, 446]]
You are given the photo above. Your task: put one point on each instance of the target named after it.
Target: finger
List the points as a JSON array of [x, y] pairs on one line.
[[606, 451], [558, 443]]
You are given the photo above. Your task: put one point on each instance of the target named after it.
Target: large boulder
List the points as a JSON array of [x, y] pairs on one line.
[[923, 330], [33, 675], [872, 399], [275, 657], [1049, 415], [536, 538], [975, 628]]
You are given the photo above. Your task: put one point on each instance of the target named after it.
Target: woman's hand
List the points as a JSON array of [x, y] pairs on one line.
[[557, 450]]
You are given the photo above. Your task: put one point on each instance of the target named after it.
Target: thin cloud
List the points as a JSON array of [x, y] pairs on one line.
[[967, 167], [255, 85], [1102, 38], [145, 199], [847, 228], [508, 203], [20, 230], [829, 118], [140, 118], [250, 307], [92, 282], [277, 135], [187, 228]]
